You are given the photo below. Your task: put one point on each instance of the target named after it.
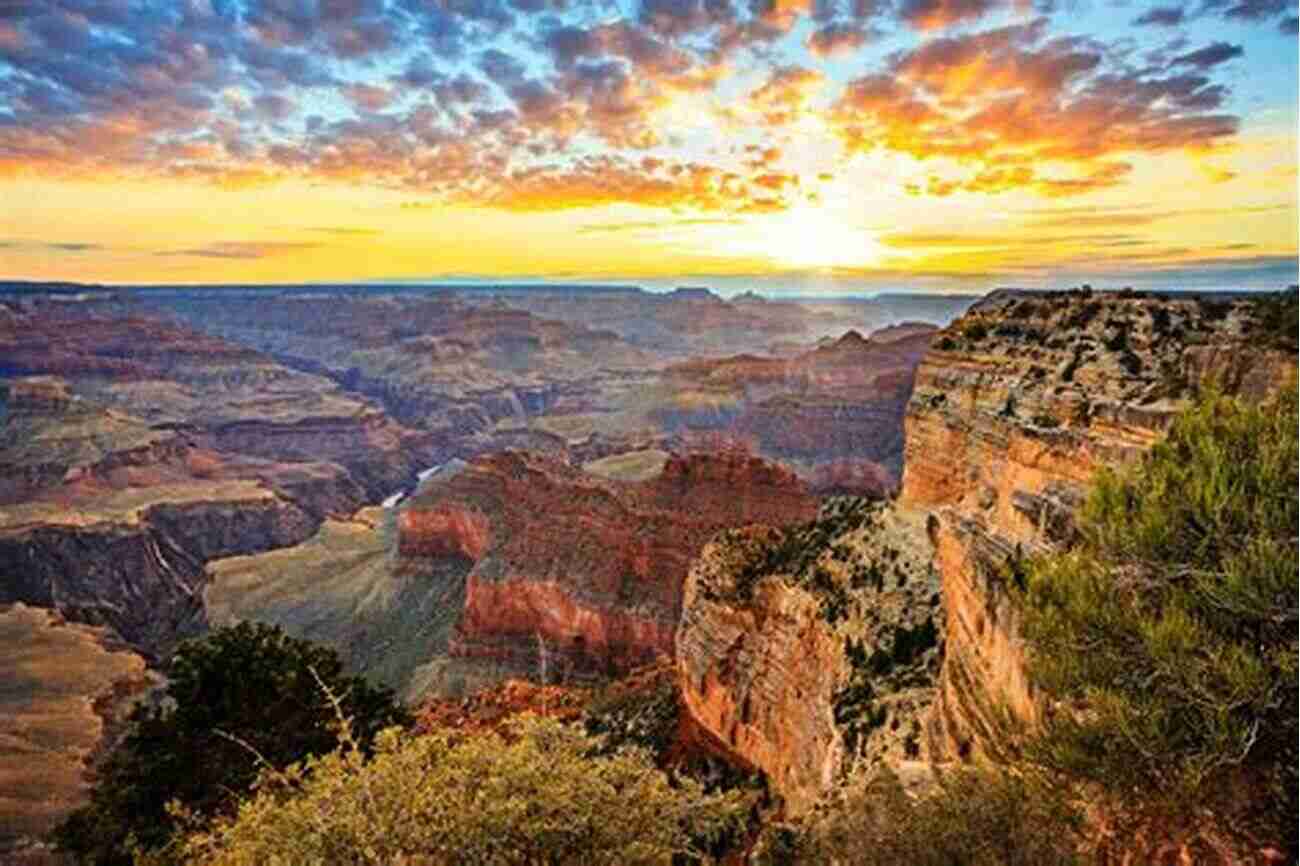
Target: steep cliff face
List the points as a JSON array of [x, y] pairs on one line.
[[139, 569], [808, 651], [790, 652], [1014, 409], [577, 572]]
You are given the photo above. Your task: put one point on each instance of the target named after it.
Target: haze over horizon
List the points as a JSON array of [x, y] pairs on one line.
[[791, 146]]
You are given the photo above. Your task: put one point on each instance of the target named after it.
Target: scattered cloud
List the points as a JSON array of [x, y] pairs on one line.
[[344, 230], [1161, 16], [1209, 56], [240, 249], [513, 103]]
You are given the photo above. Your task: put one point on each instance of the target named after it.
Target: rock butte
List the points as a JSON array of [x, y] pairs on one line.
[[578, 570]]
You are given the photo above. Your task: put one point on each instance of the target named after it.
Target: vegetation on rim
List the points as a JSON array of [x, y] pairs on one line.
[[542, 793], [1168, 635]]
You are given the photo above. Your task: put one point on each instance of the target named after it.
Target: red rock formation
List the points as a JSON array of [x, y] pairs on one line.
[[579, 567], [761, 678], [442, 531]]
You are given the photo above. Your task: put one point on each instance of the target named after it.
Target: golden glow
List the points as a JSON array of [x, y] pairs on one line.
[[809, 237], [858, 223]]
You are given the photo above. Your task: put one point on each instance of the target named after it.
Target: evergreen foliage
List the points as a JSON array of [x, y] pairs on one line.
[[1169, 634], [542, 794], [235, 699], [969, 817]]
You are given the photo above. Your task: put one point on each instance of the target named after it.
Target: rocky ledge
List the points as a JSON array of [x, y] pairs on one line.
[[814, 649], [1016, 406]]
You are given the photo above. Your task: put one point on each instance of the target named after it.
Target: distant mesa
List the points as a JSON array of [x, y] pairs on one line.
[[694, 293]]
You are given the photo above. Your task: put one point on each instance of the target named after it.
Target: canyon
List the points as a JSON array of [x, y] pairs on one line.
[[515, 564], [803, 514]]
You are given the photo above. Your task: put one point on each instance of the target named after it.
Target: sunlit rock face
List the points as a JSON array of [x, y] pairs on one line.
[[67, 691], [1014, 409], [792, 652], [575, 571], [807, 653]]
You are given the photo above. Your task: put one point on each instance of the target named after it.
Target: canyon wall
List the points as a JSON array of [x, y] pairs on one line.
[[794, 654], [812, 650], [1015, 408], [579, 572]]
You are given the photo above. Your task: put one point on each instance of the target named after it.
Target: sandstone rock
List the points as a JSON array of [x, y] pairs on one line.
[[66, 688], [578, 570], [807, 652], [1016, 407]]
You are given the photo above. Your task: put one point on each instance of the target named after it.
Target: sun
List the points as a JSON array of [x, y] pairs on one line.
[[812, 237]]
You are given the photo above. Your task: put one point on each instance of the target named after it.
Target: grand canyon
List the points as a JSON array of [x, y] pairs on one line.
[[649, 432], [455, 493]]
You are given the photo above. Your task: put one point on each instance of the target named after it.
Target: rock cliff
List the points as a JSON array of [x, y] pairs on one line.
[[793, 651], [515, 564], [811, 650], [138, 566], [1016, 406], [835, 412], [67, 690], [578, 572]]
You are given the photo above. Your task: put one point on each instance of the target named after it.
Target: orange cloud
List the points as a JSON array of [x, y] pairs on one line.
[[785, 95], [1023, 113]]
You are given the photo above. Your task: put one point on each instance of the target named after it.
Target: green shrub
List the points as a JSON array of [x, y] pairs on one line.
[[235, 695], [974, 330], [1170, 632], [542, 793], [970, 817]]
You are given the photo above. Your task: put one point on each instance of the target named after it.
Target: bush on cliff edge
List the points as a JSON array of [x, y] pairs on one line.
[[540, 794], [1168, 636]]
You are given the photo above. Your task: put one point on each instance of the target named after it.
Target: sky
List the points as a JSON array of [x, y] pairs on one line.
[[793, 146]]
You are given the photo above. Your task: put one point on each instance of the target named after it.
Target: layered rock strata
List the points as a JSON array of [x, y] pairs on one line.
[[812, 650], [1015, 408], [577, 572]]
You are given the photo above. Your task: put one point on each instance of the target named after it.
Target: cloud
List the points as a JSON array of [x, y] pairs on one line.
[[1161, 16], [650, 226], [343, 230], [368, 97], [1209, 56], [240, 249], [938, 14], [653, 183], [786, 93], [1253, 10], [1020, 110], [51, 246], [499, 101], [836, 38]]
